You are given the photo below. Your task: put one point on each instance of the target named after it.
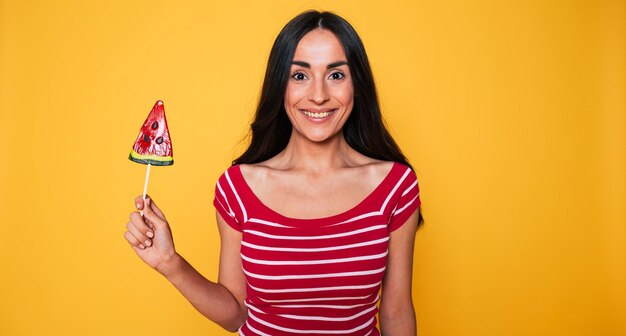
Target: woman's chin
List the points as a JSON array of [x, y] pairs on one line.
[[321, 138]]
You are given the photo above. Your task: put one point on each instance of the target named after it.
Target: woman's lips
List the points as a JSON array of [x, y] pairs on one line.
[[318, 115]]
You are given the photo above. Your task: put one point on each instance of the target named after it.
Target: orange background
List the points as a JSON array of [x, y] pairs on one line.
[[513, 114]]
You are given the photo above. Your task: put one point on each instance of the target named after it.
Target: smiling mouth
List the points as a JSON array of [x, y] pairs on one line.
[[318, 115]]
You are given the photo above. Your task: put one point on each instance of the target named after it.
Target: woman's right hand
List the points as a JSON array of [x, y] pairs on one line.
[[150, 236]]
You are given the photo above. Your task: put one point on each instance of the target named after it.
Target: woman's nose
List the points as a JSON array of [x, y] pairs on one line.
[[319, 92]]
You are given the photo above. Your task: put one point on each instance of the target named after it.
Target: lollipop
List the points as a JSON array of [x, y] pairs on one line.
[[153, 145]]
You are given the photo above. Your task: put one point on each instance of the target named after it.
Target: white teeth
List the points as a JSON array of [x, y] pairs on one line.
[[317, 115]]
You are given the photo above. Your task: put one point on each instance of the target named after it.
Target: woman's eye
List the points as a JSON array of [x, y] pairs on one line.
[[337, 75], [298, 76]]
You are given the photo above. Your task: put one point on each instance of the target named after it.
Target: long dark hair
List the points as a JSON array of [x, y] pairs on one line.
[[364, 130]]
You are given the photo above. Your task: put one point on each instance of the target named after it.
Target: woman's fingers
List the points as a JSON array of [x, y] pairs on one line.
[[149, 234], [141, 239], [133, 241], [138, 228], [152, 217], [144, 228], [140, 204]]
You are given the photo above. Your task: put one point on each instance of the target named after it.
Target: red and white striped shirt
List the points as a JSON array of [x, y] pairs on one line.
[[315, 276]]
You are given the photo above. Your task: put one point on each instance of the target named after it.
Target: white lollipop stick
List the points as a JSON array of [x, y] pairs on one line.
[[145, 187]]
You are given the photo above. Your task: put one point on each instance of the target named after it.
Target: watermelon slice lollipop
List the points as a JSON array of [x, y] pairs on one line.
[[153, 145]]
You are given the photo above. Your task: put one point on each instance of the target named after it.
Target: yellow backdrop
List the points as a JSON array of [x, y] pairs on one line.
[[513, 114]]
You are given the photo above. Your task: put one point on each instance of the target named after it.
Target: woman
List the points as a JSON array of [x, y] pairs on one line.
[[317, 218]]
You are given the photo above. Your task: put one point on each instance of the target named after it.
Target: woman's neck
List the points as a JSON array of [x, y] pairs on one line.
[[304, 154]]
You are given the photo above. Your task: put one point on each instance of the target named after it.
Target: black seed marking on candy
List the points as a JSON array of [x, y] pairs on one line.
[[146, 138], [159, 140], [155, 125]]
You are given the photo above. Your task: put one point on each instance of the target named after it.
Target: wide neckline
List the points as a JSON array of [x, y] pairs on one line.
[[331, 218]]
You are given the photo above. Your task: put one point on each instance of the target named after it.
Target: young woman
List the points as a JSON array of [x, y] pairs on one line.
[[317, 218]]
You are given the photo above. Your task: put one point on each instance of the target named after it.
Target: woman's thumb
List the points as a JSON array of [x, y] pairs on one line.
[[156, 209], [151, 215]]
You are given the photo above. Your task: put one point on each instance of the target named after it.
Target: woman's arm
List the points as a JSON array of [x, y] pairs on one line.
[[221, 302], [397, 316]]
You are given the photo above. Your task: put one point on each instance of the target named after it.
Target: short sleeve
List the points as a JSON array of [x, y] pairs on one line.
[[227, 201], [408, 200]]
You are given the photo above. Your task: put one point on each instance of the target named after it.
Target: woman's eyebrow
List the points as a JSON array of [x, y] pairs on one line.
[[330, 66], [336, 64]]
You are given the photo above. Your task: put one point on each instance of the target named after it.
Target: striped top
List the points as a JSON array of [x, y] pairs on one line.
[[315, 276]]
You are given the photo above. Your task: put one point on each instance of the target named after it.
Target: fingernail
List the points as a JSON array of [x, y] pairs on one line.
[[141, 246], [150, 234], [148, 243], [138, 206]]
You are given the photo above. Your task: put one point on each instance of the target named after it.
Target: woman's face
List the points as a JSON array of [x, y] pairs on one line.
[[320, 95]]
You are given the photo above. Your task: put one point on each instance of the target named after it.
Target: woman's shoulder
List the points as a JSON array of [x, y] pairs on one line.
[[378, 167], [229, 172], [393, 174], [382, 167], [258, 172], [231, 177], [376, 170]]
